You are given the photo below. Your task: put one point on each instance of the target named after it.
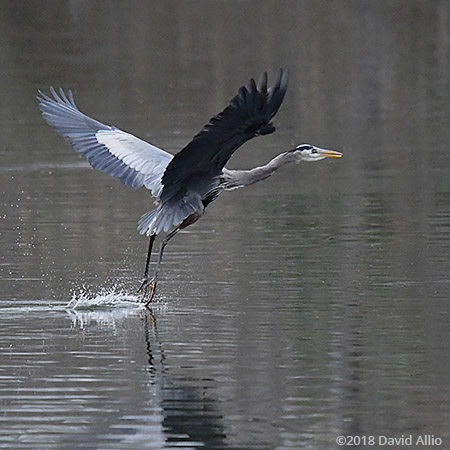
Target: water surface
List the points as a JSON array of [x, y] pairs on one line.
[[309, 306]]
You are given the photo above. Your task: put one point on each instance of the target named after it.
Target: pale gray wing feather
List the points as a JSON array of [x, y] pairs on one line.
[[135, 162]]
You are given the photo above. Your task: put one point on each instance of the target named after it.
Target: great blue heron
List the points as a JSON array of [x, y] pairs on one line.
[[185, 184]]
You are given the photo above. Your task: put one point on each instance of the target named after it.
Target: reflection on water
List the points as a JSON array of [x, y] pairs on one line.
[[169, 406], [190, 413], [311, 305]]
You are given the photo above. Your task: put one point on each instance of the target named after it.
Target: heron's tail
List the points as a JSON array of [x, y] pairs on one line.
[[170, 214], [145, 225]]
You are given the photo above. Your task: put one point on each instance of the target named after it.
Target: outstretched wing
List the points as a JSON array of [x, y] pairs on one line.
[[135, 162], [248, 115]]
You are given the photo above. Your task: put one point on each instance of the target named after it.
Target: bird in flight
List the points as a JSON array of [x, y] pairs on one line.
[[184, 184]]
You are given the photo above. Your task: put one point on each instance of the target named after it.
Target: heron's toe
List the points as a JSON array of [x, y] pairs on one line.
[[150, 292], [147, 291]]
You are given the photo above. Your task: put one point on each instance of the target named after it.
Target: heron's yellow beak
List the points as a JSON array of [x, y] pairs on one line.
[[329, 153]]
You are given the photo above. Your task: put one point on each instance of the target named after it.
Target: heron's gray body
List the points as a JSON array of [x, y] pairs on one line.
[[185, 184]]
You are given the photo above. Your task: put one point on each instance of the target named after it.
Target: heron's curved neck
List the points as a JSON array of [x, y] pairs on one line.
[[240, 178]]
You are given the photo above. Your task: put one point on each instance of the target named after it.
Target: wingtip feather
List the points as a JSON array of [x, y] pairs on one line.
[[262, 82]]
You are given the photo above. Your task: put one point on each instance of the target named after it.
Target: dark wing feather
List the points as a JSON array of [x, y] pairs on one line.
[[248, 115]]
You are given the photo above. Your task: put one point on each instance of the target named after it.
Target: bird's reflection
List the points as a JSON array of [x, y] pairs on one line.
[[190, 413]]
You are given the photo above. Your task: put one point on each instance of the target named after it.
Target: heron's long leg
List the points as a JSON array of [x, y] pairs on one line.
[[147, 264], [150, 246], [152, 284]]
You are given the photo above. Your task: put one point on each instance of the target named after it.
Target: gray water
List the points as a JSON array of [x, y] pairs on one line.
[[312, 305]]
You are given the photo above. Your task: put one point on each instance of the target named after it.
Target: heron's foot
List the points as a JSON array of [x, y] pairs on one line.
[[147, 289]]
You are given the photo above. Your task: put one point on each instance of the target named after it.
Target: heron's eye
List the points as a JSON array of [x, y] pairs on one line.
[[313, 150]]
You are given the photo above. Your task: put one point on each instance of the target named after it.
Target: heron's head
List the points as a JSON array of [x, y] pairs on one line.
[[307, 152]]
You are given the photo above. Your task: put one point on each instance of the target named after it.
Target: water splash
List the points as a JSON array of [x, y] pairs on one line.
[[105, 299]]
